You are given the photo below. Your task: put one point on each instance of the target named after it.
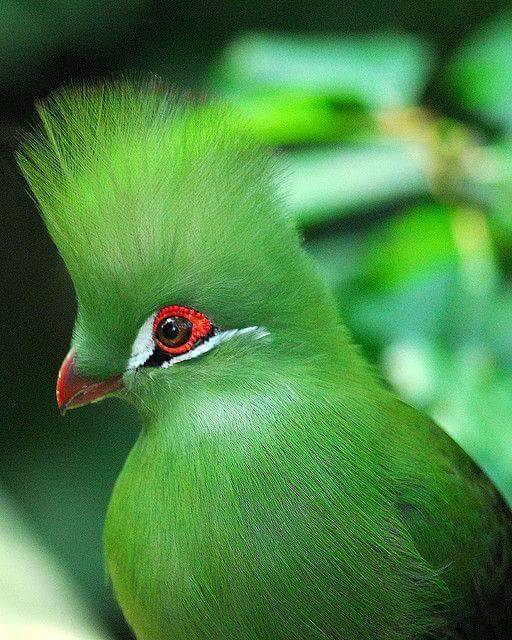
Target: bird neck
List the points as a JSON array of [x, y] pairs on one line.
[[238, 399]]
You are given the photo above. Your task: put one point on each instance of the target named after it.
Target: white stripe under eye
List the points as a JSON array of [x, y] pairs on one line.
[[215, 340], [144, 346]]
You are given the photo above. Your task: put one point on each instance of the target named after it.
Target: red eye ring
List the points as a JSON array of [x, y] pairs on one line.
[[197, 327]]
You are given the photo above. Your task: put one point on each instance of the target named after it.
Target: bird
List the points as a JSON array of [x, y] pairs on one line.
[[278, 489]]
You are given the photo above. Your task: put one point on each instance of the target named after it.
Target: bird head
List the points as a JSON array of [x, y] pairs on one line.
[[168, 219]]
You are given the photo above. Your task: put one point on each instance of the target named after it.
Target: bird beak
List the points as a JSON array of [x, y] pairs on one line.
[[73, 390]]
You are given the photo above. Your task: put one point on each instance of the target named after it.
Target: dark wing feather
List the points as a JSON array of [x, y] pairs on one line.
[[460, 524]]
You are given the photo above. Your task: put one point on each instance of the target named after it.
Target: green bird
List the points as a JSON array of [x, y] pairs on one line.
[[278, 490]]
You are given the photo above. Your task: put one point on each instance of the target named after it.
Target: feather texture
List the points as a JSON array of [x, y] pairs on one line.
[[139, 191], [277, 490]]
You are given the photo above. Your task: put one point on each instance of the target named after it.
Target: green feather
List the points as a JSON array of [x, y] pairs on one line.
[[277, 490], [139, 191]]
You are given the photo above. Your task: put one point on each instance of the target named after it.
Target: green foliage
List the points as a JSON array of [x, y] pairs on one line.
[[480, 72], [38, 600], [326, 184], [319, 89], [425, 290], [407, 247], [377, 71]]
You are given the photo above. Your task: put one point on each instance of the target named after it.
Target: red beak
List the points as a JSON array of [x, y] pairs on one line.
[[73, 390]]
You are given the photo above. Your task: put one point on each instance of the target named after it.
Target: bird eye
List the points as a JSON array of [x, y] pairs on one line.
[[176, 329]]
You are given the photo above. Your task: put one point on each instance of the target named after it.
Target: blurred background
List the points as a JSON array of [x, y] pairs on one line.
[[394, 122]]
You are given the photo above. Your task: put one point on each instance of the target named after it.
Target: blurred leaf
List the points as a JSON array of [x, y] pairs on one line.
[[474, 404], [379, 71], [476, 409], [283, 117], [398, 281], [410, 245], [500, 329], [37, 600], [491, 172], [63, 476], [465, 392], [329, 183], [481, 71], [411, 364], [416, 307]]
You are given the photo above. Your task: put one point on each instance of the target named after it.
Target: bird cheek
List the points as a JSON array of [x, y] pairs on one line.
[[75, 390]]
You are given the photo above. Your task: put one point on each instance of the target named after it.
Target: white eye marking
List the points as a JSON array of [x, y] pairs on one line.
[[144, 345], [215, 340]]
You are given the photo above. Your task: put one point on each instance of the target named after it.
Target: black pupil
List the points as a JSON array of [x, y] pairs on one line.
[[174, 331]]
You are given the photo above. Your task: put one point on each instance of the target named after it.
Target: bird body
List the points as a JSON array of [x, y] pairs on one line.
[[279, 536], [277, 490]]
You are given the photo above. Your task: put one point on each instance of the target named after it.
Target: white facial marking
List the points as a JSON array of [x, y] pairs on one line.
[[215, 340], [144, 345]]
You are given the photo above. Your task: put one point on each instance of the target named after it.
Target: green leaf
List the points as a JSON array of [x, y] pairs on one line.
[[465, 392], [326, 184], [285, 118], [418, 241], [416, 307], [499, 328], [474, 404], [64, 484], [492, 183], [379, 71], [481, 72], [339, 259]]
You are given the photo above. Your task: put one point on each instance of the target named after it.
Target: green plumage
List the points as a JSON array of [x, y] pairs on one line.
[[277, 490]]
